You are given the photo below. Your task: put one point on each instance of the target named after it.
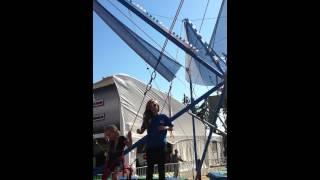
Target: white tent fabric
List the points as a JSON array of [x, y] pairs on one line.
[[122, 97]]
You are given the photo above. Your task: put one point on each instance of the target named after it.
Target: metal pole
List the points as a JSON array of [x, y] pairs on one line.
[[193, 123], [211, 129]]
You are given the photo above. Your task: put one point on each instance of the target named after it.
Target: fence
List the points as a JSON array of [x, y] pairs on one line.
[[182, 169]]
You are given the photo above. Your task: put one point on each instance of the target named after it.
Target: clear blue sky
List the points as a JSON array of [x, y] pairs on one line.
[[112, 56]]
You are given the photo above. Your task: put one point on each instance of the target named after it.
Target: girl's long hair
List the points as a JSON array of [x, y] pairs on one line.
[[148, 115]]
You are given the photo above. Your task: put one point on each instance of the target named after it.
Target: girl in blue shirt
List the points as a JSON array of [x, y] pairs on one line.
[[156, 125]]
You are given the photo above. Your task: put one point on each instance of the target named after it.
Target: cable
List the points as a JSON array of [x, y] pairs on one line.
[[130, 19], [153, 75], [196, 19], [205, 11]]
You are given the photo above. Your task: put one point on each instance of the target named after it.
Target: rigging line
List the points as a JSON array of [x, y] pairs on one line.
[[193, 90], [145, 33], [199, 32], [165, 102], [153, 75], [204, 15], [184, 133], [189, 74], [129, 10], [154, 81], [200, 65], [193, 87], [198, 75], [170, 30], [182, 82], [134, 28], [219, 41], [213, 18], [189, 65], [180, 126], [159, 90], [177, 122], [179, 36], [149, 36], [167, 97], [190, 79], [196, 19], [138, 110], [145, 93]]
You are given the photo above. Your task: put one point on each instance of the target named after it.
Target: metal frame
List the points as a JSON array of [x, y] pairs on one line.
[[220, 103], [167, 34]]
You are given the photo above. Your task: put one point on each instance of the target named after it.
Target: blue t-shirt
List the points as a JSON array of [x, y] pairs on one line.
[[157, 138]]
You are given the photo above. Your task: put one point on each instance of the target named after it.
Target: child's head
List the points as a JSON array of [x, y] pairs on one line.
[[153, 106], [152, 109], [111, 132]]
